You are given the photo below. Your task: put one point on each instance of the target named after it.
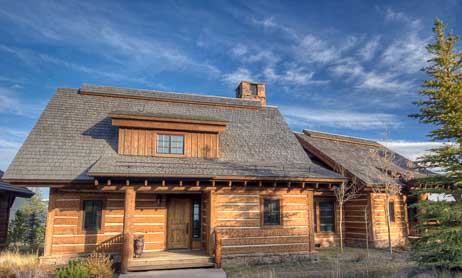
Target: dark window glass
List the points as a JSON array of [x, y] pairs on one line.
[[253, 89], [170, 144], [315, 218], [412, 214], [92, 214], [271, 211], [326, 217], [391, 211], [196, 230]]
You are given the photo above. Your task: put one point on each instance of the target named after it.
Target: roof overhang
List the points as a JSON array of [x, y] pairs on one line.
[[167, 122]]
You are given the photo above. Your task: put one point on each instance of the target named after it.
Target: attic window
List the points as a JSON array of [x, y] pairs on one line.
[[170, 144], [253, 89]]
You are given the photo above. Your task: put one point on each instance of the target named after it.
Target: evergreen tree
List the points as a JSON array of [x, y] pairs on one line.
[[440, 243], [27, 228]]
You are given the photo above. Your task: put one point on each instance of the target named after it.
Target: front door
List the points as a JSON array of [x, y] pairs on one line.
[[179, 222]]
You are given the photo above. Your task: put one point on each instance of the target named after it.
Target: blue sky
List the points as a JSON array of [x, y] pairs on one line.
[[349, 67]]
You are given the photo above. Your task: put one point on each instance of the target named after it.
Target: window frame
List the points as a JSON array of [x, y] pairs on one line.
[[82, 216], [199, 202], [170, 154], [262, 212], [317, 215], [391, 211]]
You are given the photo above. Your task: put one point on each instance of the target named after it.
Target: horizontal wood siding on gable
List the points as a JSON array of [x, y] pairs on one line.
[[238, 218], [144, 142]]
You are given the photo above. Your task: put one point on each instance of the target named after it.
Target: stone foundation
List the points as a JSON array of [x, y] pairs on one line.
[[254, 259]]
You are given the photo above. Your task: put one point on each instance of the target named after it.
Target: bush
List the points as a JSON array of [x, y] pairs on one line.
[[100, 265], [16, 265], [97, 265], [75, 269]]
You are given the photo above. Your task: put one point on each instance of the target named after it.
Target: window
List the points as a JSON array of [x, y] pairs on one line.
[[271, 211], [253, 89], [170, 144], [92, 214], [391, 211], [196, 228], [326, 217]]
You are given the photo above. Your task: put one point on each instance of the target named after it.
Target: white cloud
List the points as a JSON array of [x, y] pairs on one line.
[[408, 54], [314, 49], [11, 103], [239, 50], [314, 118], [412, 150], [10, 142], [400, 17], [237, 76], [367, 52], [293, 76]]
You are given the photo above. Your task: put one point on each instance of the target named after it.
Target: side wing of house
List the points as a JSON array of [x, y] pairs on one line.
[[365, 216]]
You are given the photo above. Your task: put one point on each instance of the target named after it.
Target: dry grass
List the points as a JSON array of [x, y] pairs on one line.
[[99, 265], [16, 265], [353, 263]]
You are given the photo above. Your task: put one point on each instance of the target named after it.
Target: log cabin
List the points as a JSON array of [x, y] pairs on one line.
[[365, 216], [8, 194], [194, 180]]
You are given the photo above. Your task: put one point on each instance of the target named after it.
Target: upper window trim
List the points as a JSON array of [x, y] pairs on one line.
[[170, 144]]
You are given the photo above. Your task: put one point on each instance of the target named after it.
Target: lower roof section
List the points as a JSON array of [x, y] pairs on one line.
[[135, 166]]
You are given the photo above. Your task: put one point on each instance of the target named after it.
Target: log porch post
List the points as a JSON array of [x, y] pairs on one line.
[[310, 202], [129, 211], [50, 223]]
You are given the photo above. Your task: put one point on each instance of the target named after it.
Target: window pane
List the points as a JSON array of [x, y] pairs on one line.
[[170, 144], [271, 212], [196, 219], [326, 217], [391, 211], [92, 214]]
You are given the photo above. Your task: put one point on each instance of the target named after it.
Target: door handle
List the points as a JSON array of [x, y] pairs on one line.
[[187, 228]]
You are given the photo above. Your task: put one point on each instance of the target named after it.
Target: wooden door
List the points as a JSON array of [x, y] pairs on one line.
[[179, 223]]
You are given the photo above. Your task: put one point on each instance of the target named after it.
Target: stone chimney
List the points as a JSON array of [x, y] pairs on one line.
[[251, 90]]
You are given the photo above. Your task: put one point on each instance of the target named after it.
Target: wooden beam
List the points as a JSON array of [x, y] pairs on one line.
[[109, 182], [129, 212], [303, 185], [198, 183], [260, 184], [163, 182], [213, 183], [146, 182], [230, 183], [289, 184], [245, 183], [96, 182], [127, 182], [317, 185], [180, 183]]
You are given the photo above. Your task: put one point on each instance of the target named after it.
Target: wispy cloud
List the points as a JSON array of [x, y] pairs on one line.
[[11, 103], [314, 118], [233, 78], [412, 150], [367, 52], [10, 142], [293, 76], [314, 49]]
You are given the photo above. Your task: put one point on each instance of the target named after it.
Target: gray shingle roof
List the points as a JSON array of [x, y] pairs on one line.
[[74, 135], [358, 156]]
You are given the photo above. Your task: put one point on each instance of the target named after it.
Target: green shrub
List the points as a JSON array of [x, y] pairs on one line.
[[75, 269]]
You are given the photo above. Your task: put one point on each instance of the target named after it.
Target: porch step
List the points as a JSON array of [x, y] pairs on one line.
[[169, 261]]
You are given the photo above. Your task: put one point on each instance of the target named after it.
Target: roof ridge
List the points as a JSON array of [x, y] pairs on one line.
[[345, 138], [89, 86]]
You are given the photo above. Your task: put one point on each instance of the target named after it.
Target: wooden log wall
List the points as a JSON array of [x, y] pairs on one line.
[[151, 221], [68, 235], [143, 142], [355, 221], [379, 225], [238, 218]]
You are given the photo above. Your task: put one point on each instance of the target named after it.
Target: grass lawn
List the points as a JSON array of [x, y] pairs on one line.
[[353, 263]]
